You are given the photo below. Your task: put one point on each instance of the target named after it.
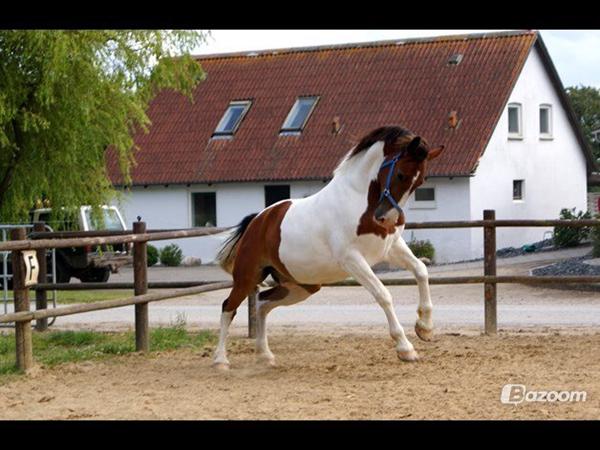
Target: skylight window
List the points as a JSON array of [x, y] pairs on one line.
[[232, 118], [299, 114]]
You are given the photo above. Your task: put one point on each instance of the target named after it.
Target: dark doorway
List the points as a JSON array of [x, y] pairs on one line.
[[273, 194]]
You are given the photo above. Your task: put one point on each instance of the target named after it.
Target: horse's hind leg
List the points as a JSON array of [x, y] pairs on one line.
[[284, 294], [243, 284]]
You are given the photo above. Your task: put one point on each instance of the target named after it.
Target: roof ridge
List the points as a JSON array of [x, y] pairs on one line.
[[366, 44]]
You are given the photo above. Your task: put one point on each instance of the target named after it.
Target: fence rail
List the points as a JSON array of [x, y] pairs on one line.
[[139, 236]]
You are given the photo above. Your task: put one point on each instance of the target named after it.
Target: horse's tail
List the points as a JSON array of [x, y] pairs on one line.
[[228, 250]]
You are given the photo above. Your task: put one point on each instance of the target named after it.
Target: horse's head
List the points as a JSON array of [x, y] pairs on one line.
[[403, 170]]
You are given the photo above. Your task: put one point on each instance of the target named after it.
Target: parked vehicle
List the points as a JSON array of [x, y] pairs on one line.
[[87, 264]]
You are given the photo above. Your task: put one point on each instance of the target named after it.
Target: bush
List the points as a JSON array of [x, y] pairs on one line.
[[595, 235], [152, 253], [571, 236], [171, 255], [422, 249]]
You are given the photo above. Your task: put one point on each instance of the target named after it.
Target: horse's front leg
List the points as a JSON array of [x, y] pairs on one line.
[[401, 254], [356, 265]]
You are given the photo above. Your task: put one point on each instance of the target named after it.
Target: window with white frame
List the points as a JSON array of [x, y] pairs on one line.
[[545, 121], [424, 198], [299, 114], [515, 121], [232, 118]]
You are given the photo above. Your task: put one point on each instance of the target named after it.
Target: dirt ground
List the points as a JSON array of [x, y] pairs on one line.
[[350, 374]]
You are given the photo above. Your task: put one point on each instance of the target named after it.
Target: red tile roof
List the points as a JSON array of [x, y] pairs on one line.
[[408, 83]]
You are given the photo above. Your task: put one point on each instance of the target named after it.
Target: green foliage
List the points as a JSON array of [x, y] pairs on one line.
[[171, 255], [152, 252], [422, 249], [571, 236], [57, 347], [66, 96], [595, 236], [586, 104]]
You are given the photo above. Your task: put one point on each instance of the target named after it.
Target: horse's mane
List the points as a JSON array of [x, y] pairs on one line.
[[388, 134]]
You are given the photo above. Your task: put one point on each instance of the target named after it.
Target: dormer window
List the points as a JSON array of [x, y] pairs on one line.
[[232, 118], [298, 115]]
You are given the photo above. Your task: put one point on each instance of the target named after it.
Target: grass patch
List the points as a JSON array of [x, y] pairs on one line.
[[58, 347], [71, 297]]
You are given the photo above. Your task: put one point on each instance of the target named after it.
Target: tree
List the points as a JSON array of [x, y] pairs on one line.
[[66, 96], [586, 103]]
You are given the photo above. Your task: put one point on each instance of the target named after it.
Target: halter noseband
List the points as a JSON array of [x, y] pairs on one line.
[[386, 191]]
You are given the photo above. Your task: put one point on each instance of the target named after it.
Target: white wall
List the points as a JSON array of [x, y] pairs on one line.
[[554, 170], [171, 207], [452, 203]]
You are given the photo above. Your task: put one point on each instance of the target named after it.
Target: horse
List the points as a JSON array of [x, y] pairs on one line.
[[353, 223]]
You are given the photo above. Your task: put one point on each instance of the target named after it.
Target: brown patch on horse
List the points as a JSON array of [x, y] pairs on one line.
[[258, 249], [310, 288], [272, 238], [280, 292], [276, 293], [257, 256], [367, 223]]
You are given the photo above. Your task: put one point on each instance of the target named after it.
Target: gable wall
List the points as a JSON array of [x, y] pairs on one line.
[[554, 170]]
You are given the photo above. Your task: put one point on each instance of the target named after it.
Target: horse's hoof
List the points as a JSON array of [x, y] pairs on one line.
[[423, 333], [408, 356], [268, 361], [220, 366]]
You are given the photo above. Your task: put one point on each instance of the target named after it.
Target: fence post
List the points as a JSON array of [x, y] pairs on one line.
[[140, 286], [252, 313], [489, 268], [21, 299], [41, 295]]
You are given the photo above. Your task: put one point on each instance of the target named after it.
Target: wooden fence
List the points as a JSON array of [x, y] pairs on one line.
[[40, 241]]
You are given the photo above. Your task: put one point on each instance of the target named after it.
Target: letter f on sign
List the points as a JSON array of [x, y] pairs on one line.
[[512, 394]]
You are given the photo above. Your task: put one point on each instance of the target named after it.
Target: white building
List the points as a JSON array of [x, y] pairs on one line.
[[273, 125]]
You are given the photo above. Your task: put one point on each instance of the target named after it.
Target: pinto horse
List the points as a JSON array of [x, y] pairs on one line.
[[354, 222]]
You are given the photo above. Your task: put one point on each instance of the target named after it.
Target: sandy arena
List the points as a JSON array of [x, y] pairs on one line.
[[336, 359], [352, 374]]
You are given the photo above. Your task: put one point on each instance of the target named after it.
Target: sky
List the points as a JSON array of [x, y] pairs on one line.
[[575, 53]]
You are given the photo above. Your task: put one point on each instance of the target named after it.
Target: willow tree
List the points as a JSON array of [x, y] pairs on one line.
[[66, 96]]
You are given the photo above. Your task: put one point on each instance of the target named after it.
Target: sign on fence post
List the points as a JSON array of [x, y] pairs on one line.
[[489, 268], [21, 298], [140, 283], [32, 267]]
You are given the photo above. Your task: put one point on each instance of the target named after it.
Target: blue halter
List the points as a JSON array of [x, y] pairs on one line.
[[386, 191]]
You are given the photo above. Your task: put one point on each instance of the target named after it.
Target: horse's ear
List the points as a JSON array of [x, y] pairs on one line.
[[434, 153], [414, 144], [416, 150]]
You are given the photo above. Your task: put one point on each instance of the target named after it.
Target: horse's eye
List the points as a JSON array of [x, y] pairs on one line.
[[400, 176]]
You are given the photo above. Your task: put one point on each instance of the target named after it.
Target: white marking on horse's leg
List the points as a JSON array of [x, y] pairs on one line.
[[220, 359], [401, 254], [356, 265], [295, 294]]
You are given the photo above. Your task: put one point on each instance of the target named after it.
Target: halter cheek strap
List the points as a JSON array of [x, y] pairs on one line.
[[386, 191]]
